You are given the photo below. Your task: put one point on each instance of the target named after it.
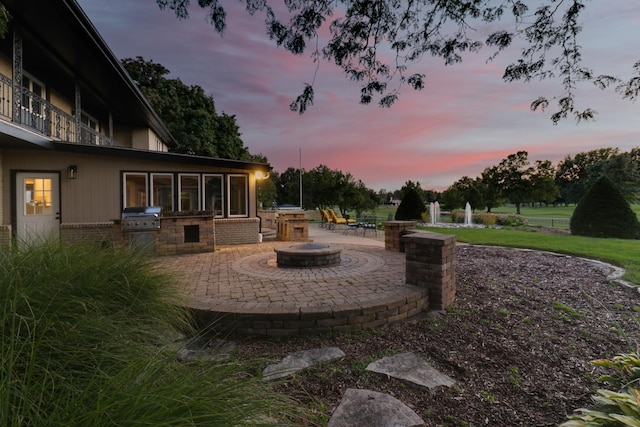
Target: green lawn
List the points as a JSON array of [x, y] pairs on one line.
[[621, 252]]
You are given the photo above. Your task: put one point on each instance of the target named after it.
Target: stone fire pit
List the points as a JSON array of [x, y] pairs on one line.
[[307, 255]]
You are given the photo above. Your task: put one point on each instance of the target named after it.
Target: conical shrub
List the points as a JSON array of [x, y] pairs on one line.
[[411, 207], [604, 212]]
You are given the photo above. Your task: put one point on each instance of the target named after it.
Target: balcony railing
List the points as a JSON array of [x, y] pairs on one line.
[[39, 115]]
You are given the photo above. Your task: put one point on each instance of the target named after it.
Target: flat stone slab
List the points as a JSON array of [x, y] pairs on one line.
[[411, 368], [373, 409], [300, 360], [205, 350]]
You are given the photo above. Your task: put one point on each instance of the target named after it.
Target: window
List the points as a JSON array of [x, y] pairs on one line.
[[213, 194], [37, 196], [135, 190], [238, 203], [224, 195], [162, 191], [189, 193]]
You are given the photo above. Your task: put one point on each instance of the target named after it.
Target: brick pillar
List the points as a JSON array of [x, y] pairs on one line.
[[393, 231], [431, 264]]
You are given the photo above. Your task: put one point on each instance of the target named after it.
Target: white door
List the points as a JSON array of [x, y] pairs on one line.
[[37, 206]]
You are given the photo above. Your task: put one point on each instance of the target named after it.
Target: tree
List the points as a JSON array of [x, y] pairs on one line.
[[543, 185], [412, 206], [622, 170], [604, 212], [288, 187], [452, 199], [189, 114], [468, 190], [378, 42], [408, 186], [267, 191], [575, 175], [572, 173], [514, 178], [490, 188], [322, 187]]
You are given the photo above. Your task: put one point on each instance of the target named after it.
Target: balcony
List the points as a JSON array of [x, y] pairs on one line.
[[40, 116]]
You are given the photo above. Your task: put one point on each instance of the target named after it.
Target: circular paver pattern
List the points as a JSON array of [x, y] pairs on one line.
[[264, 265], [242, 287]]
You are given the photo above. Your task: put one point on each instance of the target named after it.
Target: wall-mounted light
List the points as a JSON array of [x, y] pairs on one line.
[[262, 175], [72, 172]]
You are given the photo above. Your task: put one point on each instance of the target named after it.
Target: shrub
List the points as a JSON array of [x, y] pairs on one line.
[[510, 220], [604, 212], [457, 216], [613, 408], [411, 208], [488, 219], [85, 341]]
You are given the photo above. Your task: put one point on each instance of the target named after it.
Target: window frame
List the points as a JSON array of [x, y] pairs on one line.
[[153, 187], [125, 193], [198, 191], [245, 178], [221, 177]]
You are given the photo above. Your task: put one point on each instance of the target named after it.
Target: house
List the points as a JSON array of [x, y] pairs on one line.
[[80, 145]]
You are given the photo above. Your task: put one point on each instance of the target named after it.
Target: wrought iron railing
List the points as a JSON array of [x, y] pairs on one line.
[[559, 223], [39, 115]]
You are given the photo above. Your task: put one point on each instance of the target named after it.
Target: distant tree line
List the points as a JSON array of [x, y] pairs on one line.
[[516, 180], [322, 188]]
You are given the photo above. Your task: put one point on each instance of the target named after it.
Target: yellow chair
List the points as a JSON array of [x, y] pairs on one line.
[[339, 220], [326, 220]]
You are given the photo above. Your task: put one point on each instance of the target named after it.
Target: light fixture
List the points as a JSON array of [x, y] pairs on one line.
[[262, 175], [72, 172]]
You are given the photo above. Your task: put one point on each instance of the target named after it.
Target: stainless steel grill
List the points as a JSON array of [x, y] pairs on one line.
[[141, 218]]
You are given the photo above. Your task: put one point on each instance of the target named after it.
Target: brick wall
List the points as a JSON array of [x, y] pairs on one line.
[[268, 219], [185, 235], [393, 232], [5, 236], [236, 231], [100, 233], [431, 264], [313, 320]]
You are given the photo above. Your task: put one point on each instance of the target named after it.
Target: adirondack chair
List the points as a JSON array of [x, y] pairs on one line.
[[326, 220], [339, 220]]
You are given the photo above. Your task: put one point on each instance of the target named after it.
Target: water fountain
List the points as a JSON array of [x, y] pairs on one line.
[[468, 221], [434, 212]]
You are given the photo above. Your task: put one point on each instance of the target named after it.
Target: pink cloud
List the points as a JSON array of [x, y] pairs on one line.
[[466, 118]]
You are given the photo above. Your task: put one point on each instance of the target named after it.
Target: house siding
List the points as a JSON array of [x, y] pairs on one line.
[[47, 136]]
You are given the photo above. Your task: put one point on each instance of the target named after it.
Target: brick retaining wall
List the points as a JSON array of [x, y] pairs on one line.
[[313, 320]]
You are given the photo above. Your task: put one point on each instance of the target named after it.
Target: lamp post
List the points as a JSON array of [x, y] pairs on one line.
[[300, 178]]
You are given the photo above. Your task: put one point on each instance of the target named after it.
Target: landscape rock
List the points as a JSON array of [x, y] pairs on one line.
[[373, 409], [300, 360], [410, 367], [204, 349]]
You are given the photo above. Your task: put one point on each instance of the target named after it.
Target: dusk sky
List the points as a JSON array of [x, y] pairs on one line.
[[464, 120]]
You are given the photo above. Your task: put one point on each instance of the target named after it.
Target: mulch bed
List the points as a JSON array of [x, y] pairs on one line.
[[518, 341]]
